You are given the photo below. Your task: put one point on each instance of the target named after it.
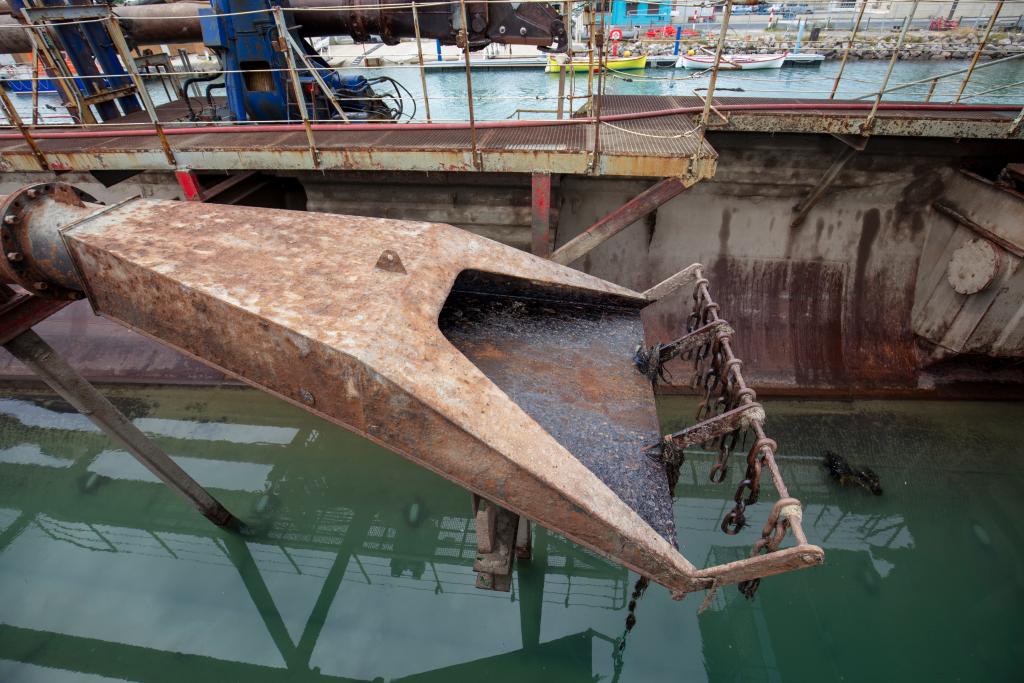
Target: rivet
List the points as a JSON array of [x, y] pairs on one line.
[[14, 256], [522, 31], [40, 285]]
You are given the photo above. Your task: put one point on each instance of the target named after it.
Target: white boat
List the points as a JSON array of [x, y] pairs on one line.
[[811, 58], [732, 62]]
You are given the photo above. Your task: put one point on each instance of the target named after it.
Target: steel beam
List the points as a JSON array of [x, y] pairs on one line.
[[540, 215], [38, 356], [618, 220]]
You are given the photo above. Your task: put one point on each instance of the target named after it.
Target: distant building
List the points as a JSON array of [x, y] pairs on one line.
[[953, 9], [625, 14]]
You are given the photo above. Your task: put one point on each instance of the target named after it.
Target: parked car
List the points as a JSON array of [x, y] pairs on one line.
[[789, 11]]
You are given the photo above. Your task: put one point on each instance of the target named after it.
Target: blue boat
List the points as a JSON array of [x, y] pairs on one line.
[[24, 85]]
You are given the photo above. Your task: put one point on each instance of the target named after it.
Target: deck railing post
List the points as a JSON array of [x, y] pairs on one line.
[[590, 57], [58, 71], [870, 121], [1017, 123], [294, 47], [12, 115], [121, 46], [419, 52], [849, 46], [714, 69], [599, 46], [477, 161], [39, 357], [35, 84], [977, 53], [293, 76]]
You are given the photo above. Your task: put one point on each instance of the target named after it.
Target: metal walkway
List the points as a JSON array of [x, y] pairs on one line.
[[658, 147], [669, 146]]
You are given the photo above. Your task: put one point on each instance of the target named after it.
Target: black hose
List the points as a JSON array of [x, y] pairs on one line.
[[198, 79], [210, 88]]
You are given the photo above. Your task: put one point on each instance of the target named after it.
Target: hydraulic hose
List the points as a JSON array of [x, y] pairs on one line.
[[197, 79], [484, 125]]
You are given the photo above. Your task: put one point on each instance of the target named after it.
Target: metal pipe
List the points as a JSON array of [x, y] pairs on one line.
[[849, 46], [178, 22], [487, 125], [870, 121], [981, 46], [39, 357]]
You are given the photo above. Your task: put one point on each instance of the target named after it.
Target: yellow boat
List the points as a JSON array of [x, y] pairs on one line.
[[614, 63]]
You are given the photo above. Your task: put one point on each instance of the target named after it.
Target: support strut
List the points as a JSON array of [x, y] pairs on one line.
[[620, 219], [29, 348]]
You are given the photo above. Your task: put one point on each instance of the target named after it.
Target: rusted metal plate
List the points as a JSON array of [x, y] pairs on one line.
[[300, 309], [571, 369]]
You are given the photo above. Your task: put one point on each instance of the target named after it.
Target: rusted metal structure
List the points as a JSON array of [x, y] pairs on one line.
[[525, 23], [507, 373]]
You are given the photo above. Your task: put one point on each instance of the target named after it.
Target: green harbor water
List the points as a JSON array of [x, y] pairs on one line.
[[360, 564]]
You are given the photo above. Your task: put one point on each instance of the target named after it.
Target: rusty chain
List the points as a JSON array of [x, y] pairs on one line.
[[717, 379]]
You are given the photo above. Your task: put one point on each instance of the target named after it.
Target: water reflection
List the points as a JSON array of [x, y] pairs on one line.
[[340, 551], [359, 565]]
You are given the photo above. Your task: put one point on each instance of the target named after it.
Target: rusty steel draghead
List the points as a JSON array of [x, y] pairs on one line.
[[531, 401]]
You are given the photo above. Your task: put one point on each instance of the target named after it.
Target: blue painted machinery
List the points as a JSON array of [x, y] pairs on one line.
[[245, 37], [86, 44], [263, 47]]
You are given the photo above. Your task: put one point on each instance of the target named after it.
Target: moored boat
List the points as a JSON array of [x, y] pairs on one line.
[[615, 63], [732, 62]]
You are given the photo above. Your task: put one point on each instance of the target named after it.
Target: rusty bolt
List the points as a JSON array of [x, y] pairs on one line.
[[40, 286], [14, 256]]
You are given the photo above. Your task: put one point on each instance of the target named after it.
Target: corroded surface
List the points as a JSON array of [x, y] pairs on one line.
[[295, 304], [571, 368]]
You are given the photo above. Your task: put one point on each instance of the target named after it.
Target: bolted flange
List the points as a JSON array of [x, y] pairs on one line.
[[37, 262]]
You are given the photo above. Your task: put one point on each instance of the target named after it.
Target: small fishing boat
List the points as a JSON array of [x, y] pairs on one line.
[[732, 62], [613, 63]]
